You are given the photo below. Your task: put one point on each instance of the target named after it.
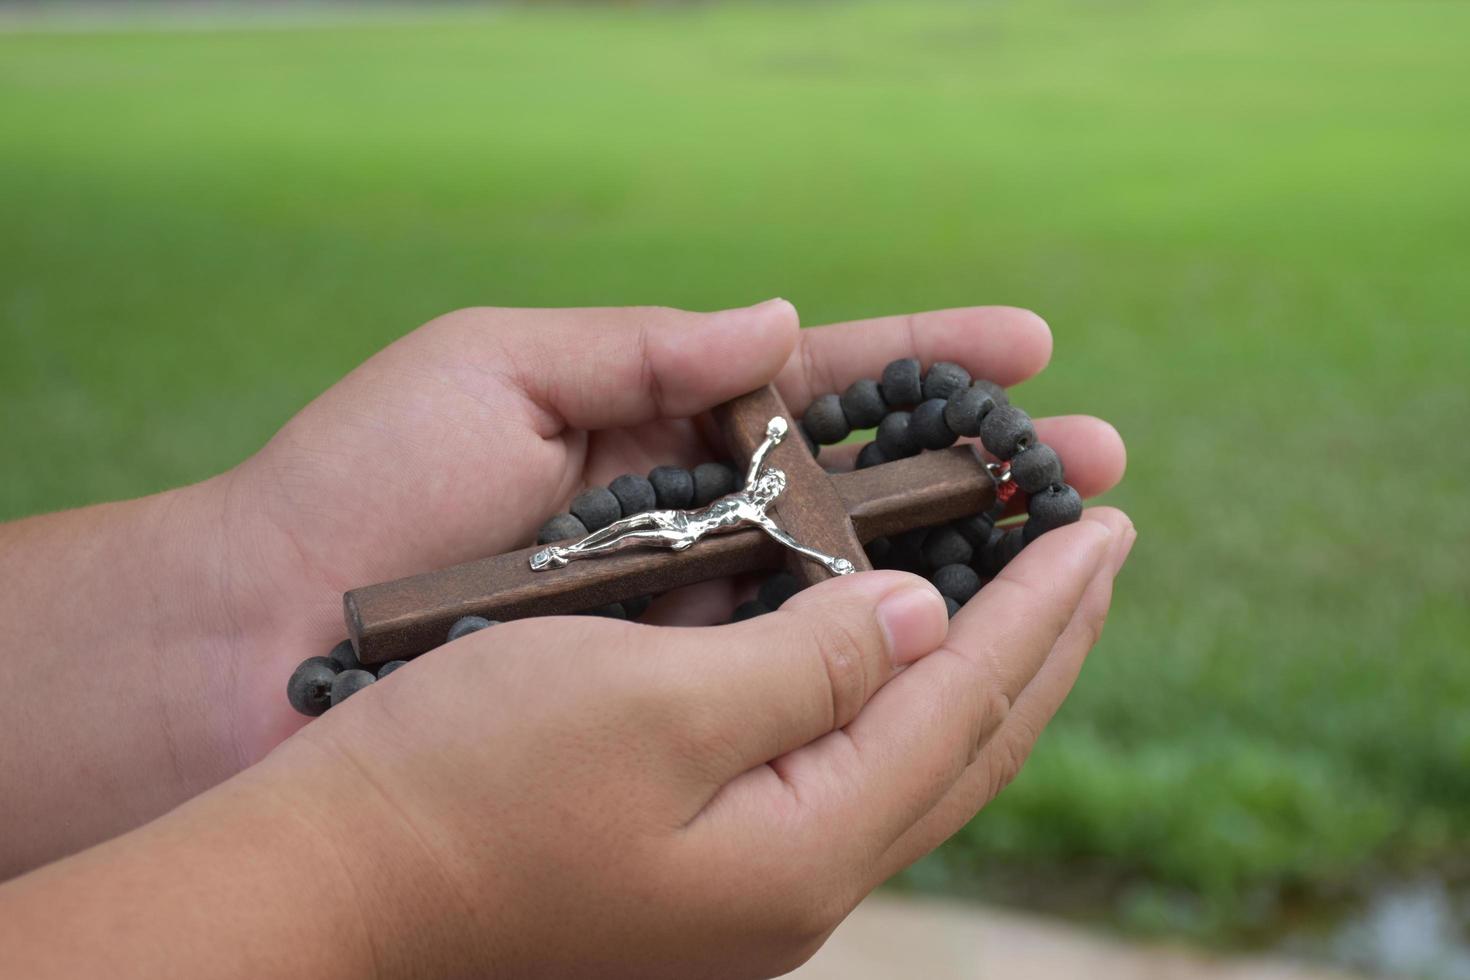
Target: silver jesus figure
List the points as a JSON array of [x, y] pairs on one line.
[[679, 529]]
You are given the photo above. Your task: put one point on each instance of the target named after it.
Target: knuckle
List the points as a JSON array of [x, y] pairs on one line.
[[655, 311], [1006, 763], [846, 656], [994, 710], [972, 684], [1092, 629]]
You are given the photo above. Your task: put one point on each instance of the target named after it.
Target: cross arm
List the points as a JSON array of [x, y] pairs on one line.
[[402, 619], [921, 491]]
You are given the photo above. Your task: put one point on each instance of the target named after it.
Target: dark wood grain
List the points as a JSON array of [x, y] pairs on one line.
[[834, 513], [921, 491]]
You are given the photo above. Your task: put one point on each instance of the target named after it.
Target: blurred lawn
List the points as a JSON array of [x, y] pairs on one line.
[[1246, 223]]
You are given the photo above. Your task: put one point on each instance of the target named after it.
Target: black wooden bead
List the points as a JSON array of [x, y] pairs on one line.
[[343, 657], [390, 667], [310, 688], [348, 683], [777, 589], [975, 529], [906, 550], [712, 481], [927, 425], [1056, 506], [951, 606], [1006, 430], [749, 610], [878, 550], [945, 378], [560, 528], [995, 391], [1005, 545], [895, 440], [996, 511], [959, 582], [634, 493], [812, 446], [637, 606], [466, 625], [613, 610], [990, 557], [1014, 541], [1036, 468], [901, 383], [870, 455], [673, 486], [825, 421], [862, 404], [966, 409], [596, 507], [947, 546]]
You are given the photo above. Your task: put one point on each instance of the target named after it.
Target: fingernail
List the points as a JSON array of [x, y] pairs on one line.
[[763, 308], [914, 621], [768, 305]]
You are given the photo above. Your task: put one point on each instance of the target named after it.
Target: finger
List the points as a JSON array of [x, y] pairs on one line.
[[702, 604], [916, 736], [600, 368], [1092, 451], [743, 694], [999, 343], [1004, 753]]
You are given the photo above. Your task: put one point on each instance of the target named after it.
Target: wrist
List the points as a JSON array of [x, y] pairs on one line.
[[271, 873], [256, 601], [197, 533], [392, 899]]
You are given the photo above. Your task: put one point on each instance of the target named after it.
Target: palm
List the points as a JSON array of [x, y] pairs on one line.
[[452, 497]]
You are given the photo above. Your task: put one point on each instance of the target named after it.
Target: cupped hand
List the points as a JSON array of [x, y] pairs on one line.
[[573, 796], [167, 675], [461, 438]]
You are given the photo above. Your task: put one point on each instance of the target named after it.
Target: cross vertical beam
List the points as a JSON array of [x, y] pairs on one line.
[[810, 509]]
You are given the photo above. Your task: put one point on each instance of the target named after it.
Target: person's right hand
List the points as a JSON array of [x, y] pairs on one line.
[[454, 443], [578, 796]]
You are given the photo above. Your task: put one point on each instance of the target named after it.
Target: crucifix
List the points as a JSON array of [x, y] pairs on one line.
[[830, 515]]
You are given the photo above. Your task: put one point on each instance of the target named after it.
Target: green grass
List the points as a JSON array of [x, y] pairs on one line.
[[1247, 224]]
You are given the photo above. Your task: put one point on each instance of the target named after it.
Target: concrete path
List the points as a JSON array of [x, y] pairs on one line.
[[892, 937]]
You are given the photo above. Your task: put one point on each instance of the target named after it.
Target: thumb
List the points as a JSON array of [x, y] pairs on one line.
[[609, 367], [752, 691]]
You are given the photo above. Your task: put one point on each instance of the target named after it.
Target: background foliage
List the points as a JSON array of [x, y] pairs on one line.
[[1246, 223]]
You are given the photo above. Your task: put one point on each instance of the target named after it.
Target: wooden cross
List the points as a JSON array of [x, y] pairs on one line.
[[833, 513]]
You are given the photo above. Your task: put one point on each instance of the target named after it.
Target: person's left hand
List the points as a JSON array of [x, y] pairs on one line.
[[459, 440]]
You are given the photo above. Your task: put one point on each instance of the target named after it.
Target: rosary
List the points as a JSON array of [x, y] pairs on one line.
[[915, 502]]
